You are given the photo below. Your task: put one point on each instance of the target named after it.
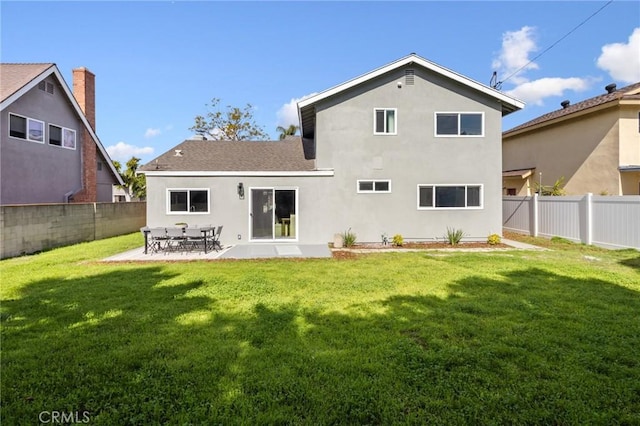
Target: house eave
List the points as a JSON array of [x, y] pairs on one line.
[[239, 173]]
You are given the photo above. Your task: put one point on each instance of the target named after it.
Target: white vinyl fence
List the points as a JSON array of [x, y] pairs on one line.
[[606, 221]]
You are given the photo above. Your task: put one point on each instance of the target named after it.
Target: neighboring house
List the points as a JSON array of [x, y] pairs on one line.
[[410, 148], [594, 145], [49, 152]]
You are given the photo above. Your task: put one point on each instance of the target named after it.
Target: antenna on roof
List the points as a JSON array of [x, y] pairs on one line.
[[494, 83]]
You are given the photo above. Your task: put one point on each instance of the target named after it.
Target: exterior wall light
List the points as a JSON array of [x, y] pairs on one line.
[[241, 191]]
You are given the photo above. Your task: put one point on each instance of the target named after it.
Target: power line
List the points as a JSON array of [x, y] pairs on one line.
[[497, 84]]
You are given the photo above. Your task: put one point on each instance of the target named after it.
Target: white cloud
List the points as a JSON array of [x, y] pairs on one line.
[[150, 133], [537, 90], [622, 61], [516, 47], [514, 58], [123, 152], [288, 113]]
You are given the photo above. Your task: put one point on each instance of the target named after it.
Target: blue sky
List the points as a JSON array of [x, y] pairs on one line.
[[158, 64]]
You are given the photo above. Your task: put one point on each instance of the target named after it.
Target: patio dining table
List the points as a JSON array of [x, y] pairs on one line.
[[206, 231]]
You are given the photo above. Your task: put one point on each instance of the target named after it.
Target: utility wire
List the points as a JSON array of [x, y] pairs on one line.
[[499, 83]]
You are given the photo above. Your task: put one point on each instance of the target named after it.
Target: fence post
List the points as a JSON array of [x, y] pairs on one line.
[[589, 218], [534, 216]]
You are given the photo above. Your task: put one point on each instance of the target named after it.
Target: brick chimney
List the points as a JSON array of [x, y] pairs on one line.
[[84, 90]]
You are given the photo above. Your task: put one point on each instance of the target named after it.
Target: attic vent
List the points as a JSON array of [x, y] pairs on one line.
[[565, 103], [46, 86], [409, 77], [178, 153], [610, 88]]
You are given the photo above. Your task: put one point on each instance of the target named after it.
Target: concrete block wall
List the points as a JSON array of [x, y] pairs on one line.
[[26, 229]]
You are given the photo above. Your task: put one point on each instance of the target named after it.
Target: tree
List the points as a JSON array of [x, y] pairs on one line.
[[134, 184], [234, 124], [556, 190], [289, 131]]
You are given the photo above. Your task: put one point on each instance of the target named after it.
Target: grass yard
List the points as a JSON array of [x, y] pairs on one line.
[[507, 337]]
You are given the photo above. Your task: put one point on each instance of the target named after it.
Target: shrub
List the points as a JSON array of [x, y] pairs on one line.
[[397, 240], [454, 236], [494, 239], [348, 238]]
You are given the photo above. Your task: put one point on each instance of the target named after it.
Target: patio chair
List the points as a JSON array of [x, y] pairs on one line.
[[215, 239], [175, 239], [157, 239], [193, 238]]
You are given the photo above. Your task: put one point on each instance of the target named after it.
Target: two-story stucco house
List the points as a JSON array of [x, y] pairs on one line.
[[410, 148], [593, 144], [49, 151]]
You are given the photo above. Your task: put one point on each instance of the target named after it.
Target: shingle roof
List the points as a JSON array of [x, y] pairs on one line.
[[627, 92], [13, 77], [233, 156]]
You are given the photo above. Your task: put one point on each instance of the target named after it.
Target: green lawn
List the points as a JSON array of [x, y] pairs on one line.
[[508, 337]]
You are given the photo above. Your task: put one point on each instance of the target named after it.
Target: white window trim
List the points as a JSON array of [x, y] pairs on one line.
[[395, 114], [62, 129], [373, 191], [168, 201], [434, 185], [435, 124], [27, 119]]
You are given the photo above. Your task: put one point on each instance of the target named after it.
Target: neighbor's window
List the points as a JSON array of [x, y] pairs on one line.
[[188, 200], [55, 135], [459, 124], [384, 121], [374, 186], [61, 136], [69, 138], [26, 128], [449, 196]]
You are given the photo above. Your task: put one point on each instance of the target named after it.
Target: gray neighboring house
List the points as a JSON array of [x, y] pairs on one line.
[[49, 151], [410, 148]]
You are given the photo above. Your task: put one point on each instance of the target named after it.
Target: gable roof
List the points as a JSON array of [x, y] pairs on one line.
[[631, 92], [18, 79], [306, 110], [18, 76], [231, 157]]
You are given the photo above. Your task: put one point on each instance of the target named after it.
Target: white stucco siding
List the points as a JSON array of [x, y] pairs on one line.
[[345, 141], [314, 215]]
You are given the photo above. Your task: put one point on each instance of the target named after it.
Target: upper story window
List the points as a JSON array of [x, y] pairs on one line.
[[26, 128], [449, 197], [384, 121], [365, 186], [459, 124], [61, 136], [188, 200]]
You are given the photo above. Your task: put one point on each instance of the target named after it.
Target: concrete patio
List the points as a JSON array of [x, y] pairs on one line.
[[255, 251]]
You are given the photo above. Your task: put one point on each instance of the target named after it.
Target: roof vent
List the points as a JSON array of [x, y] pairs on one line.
[[610, 88], [409, 77], [178, 153], [565, 103]]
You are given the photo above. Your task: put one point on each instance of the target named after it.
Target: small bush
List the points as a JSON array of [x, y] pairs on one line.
[[454, 236], [349, 238], [397, 240], [494, 239]]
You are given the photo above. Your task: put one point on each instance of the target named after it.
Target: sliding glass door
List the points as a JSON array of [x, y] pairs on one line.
[[273, 214]]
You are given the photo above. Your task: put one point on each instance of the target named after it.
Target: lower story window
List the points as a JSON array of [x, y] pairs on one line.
[[449, 196], [188, 200]]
